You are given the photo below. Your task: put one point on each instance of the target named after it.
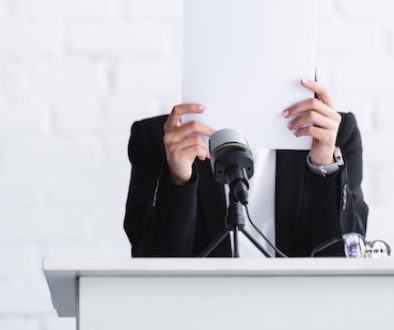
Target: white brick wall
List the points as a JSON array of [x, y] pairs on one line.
[[125, 38], [155, 8], [3, 8], [74, 75], [55, 10], [24, 38]]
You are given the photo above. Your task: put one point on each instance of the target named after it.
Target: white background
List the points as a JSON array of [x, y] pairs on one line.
[[74, 75]]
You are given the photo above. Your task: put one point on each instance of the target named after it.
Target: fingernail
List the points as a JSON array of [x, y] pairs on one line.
[[285, 113], [290, 126], [304, 80], [201, 107]]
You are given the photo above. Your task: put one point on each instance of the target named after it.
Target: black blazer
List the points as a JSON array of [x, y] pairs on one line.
[[164, 219]]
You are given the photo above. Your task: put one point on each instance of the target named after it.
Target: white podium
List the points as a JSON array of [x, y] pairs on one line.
[[221, 294]]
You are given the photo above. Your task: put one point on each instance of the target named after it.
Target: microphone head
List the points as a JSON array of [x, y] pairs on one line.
[[231, 161], [224, 137]]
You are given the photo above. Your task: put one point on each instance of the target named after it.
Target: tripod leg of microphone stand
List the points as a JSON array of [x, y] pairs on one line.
[[236, 248], [256, 244], [215, 243]]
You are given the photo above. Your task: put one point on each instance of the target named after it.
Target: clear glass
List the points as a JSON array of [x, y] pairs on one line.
[[357, 247], [354, 245]]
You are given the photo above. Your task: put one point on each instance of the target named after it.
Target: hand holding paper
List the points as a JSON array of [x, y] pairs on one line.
[[184, 143], [316, 118]]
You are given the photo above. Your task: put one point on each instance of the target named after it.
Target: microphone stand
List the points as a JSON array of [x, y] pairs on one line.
[[235, 220]]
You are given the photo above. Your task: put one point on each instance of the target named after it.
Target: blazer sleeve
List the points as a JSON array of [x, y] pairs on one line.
[[336, 203], [160, 215]]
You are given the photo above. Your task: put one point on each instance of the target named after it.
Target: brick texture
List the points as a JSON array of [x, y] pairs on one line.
[[74, 75]]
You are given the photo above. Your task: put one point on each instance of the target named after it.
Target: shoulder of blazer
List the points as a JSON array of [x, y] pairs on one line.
[[145, 148], [348, 133]]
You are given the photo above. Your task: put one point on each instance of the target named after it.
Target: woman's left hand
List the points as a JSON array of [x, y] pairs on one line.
[[318, 119]]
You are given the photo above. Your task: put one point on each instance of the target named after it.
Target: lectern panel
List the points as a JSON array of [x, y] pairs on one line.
[[235, 302]]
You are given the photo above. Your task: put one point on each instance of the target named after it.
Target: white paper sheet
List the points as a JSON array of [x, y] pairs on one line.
[[244, 59]]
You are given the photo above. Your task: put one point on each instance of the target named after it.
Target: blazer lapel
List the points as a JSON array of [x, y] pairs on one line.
[[290, 171]]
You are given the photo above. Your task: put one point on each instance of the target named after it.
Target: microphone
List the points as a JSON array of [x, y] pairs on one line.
[[232, 162]]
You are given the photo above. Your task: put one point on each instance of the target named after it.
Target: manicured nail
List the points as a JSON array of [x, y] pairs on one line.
[[304, 80], [285, 113]]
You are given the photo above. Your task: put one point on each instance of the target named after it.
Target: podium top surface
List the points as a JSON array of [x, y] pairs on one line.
[[62, 274], [217, 266]]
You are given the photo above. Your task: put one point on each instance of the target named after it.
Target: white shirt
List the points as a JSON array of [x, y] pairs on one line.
[[261, 204]]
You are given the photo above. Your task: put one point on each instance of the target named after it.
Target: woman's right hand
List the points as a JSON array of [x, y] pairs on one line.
[[183, 143]]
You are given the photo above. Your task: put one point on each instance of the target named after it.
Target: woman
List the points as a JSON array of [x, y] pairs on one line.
[[176, 208]]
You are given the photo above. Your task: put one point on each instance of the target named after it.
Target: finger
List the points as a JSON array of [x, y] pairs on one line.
[[194, 151], [311, 104], [319, 89], [189, 142], [178, 111], [315, 132], [312, 118], [181, 132]]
